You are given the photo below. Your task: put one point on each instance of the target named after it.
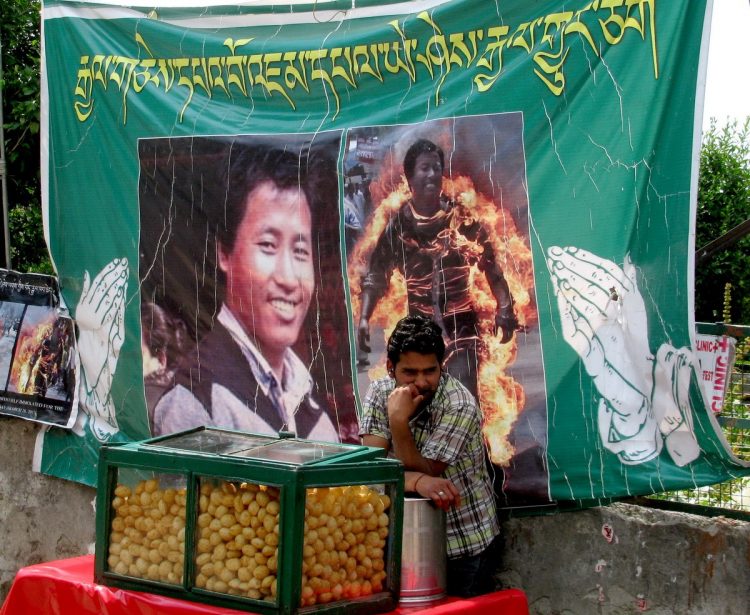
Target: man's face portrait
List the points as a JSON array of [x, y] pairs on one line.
[[237, 233], [269, 270], [421, 370], [426, 181]]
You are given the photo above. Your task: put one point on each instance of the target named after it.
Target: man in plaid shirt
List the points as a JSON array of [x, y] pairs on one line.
[[431, 423]]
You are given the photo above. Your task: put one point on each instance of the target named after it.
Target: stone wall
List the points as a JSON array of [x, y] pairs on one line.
[[42, 518], [624, 559], [620, 559]]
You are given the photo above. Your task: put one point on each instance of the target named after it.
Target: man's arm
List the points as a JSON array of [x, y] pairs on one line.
[[402, 403], [406, 451], [422, 465], [440, 490], [374, 285], [368, 302], [424, 475], [506, 322], [375, 441]]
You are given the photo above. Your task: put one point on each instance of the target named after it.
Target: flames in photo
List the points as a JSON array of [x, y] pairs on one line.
[[39, 359], [501, 397]]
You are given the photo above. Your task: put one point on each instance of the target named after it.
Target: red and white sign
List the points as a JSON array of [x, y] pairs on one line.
[[716, 356]]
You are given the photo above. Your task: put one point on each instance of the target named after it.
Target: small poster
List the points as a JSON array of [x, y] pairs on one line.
[[37, 351], [716, 354]]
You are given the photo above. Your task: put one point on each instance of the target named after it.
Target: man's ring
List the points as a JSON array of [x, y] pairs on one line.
[[441, 492]]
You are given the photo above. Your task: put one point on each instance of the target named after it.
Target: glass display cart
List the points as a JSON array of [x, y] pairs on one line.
[[261, 523]]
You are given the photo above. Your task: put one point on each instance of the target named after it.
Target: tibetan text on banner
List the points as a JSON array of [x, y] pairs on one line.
[[238, 216]]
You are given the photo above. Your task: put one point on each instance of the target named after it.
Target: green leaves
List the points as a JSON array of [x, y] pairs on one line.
[[723, 203], [27, 248], [20, 37]]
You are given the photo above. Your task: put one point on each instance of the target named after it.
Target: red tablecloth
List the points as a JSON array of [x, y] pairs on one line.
[[66, 587]]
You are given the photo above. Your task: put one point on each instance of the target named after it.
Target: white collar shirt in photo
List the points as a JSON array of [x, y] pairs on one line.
[[296, 382]]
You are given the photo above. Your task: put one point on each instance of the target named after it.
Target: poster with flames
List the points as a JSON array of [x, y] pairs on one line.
[[481, 235], [37, 351], [258, 192]]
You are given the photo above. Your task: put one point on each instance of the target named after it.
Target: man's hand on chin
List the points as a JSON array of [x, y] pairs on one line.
[[403, 403]]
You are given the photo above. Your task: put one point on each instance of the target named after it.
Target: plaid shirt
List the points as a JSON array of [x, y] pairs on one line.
[[447, 430]]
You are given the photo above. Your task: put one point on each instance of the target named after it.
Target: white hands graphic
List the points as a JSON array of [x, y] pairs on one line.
[[100, 317], [604, 320], [671, 402]]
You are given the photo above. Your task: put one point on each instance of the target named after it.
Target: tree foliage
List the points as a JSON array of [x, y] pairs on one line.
[[20, 39], [723, 203]]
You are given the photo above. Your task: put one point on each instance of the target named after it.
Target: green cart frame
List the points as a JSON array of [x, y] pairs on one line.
[[339, 465]]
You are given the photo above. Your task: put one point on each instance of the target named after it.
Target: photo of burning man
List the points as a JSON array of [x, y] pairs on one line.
[[10, 322], [254, 220], [43, 360], [447, 238]]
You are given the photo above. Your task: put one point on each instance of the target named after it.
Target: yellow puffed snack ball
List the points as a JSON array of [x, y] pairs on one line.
[[345, 534], [148, 544]]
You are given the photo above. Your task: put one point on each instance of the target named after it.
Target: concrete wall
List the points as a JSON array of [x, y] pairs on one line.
[[41, 518], [619, 560], [624, 559]]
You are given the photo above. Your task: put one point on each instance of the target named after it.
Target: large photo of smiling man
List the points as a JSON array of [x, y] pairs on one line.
[[251, 360]]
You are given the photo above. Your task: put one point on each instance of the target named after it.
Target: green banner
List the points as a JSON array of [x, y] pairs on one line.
[[557, 256]]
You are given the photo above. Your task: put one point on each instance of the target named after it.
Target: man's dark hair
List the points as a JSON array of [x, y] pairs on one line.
[[248, 168], [416, 334], [420, 146]]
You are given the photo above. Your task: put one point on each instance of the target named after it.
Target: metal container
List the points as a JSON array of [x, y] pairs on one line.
[[423, 552]]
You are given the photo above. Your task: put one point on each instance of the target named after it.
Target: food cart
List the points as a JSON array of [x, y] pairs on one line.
[[254, 522]]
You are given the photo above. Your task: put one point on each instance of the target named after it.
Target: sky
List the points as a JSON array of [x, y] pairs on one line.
[[727, 82]]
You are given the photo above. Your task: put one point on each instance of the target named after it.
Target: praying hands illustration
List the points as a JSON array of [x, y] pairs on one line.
[[100, 317], [644, 402]]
